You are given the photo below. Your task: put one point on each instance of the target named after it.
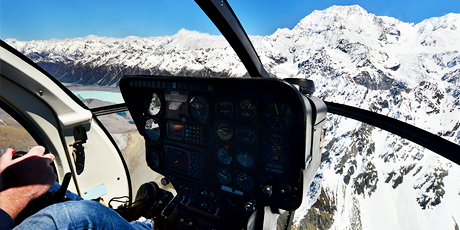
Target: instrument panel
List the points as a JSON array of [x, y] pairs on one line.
[[228, 145]]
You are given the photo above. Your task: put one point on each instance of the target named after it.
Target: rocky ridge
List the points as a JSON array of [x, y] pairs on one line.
[[369, 178]]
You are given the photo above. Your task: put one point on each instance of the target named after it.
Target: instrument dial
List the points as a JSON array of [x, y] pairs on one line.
[[198, 109], [247, 110], [152, 130], [276, 142], [225, 155], [224, 176], [224, 108], [278, 116], [244, 181], [245, 158], [224, 131], [246, 134], [153, 104], [153, 160]]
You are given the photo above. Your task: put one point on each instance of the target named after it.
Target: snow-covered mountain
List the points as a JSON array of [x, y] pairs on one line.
[[369, 179], [103, 61]]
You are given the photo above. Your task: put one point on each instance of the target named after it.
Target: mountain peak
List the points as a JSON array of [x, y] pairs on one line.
[[349, 10], [335, 16]]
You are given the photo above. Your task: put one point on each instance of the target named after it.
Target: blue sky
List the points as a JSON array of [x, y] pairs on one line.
[[46, 19]]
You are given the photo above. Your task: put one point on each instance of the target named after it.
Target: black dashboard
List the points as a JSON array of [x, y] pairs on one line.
[[228, 145]]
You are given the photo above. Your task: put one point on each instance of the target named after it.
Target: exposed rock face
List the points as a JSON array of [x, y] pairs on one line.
[[369, 179], [321, 214]]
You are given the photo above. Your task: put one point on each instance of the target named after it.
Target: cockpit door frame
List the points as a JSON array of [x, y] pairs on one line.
[[53, 113]]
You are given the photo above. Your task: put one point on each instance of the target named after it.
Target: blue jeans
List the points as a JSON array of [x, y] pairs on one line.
[[80, 214]]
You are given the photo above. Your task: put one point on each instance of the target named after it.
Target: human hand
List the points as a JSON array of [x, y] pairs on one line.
[[24, 179]]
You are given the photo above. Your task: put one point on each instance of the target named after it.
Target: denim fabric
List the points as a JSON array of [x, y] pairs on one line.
[[82, 214]]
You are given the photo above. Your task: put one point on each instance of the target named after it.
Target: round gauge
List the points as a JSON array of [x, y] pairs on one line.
[[224, 176], [247, 110], [246, 134], [152, 130], [153, 160], [224, 131], [276, 141], [199, 109], [245, 158], [279, 116], [224, 108], [225, 156], [244, 181], [153, 104]]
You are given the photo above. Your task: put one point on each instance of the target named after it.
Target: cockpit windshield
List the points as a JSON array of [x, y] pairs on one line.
[[397, 59]]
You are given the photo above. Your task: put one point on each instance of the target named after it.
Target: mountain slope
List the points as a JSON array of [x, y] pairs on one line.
[[369, 179]]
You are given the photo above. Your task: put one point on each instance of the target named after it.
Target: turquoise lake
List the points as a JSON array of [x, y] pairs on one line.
[[100, 95]]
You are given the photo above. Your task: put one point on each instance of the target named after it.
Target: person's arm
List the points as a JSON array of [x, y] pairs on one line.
[[24, 179]]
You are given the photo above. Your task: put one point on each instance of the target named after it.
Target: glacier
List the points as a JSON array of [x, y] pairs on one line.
[[369, 178]]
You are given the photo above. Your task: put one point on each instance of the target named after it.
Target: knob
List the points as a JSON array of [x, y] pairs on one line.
[[249, 206], [165, 181], [267, 190]]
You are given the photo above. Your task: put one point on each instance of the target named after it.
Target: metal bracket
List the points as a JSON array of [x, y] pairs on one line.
[[78, 152]]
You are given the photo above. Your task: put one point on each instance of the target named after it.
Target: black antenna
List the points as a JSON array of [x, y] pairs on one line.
[[222, 15]]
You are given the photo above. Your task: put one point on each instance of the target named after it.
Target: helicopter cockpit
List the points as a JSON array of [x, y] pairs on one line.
[[239, 152], [229, 146]]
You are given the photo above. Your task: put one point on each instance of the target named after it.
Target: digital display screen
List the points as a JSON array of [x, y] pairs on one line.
[[177, 130], [179, 160]]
